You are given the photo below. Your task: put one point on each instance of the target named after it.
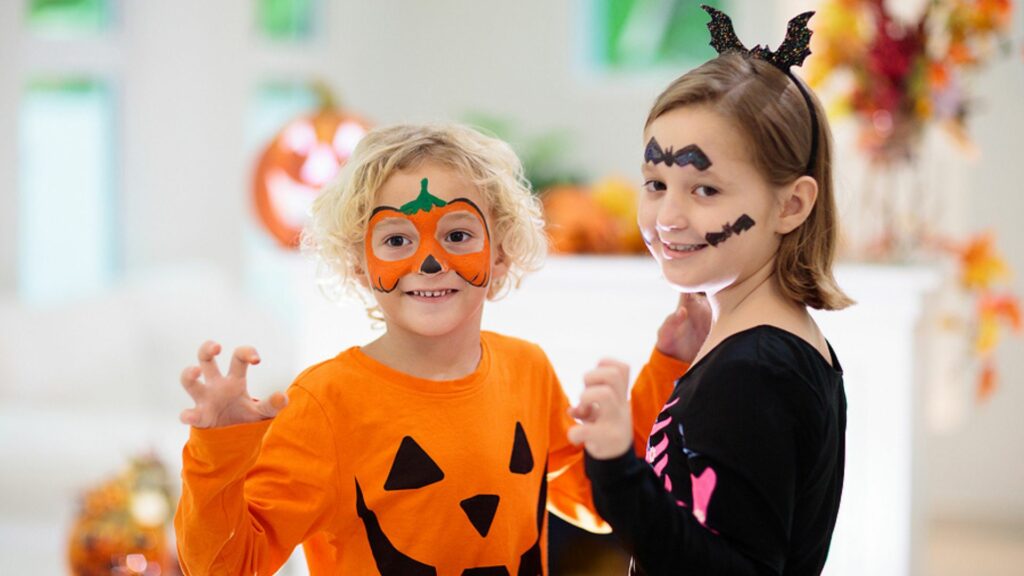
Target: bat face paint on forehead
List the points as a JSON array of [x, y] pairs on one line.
[[741, 224], [420, 220], [689, 155]]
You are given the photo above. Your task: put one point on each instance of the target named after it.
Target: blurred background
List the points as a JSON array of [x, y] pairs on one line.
[[160, 156]]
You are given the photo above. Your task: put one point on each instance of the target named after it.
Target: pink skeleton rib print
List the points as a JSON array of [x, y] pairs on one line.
[[658, 455]]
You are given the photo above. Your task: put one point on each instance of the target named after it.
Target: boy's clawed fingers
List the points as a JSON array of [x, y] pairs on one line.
[[191, 417], [207, 355], [241, 359], [190, 380], [223, 399], [269, 407]]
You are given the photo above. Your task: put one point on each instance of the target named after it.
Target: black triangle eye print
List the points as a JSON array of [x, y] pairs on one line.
[[522, 457], [412, 468]]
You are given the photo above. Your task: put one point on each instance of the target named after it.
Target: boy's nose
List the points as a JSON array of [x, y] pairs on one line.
[[430, 265]]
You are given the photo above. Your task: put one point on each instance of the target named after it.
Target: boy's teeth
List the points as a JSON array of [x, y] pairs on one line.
[[431, 293]]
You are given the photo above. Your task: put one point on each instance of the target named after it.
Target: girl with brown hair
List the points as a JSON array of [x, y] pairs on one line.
[[745, 462]]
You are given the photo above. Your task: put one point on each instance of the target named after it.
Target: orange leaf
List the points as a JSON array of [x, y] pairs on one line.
[[986, 382]]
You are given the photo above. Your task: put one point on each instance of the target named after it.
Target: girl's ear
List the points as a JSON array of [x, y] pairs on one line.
[[796, 202]]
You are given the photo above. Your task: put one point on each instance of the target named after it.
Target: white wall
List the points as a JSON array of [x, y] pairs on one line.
[[978, 469]]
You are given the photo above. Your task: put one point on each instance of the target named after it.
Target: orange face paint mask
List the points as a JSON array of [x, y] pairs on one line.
[[404, 240]]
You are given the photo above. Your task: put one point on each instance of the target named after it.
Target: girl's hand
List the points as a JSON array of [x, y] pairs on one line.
[[606, 426], [224, 400], [684, 331]]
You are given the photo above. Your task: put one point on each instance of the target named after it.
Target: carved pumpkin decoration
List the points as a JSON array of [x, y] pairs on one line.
[[297, 163], [576, 223]]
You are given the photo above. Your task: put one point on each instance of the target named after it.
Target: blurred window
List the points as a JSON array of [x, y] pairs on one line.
[[68, 18], [67, 240], [643, 35], [287, 20]]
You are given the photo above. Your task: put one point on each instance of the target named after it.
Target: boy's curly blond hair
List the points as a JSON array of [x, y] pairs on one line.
[[341, 213]]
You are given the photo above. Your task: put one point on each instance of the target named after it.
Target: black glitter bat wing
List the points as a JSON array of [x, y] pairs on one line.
[[795, 48], [723, 35], [741, 224], [653, 153], [691, 154]]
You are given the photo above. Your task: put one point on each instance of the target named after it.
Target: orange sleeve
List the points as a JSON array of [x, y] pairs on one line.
[[252, 492], [652, 388], [569, 495]]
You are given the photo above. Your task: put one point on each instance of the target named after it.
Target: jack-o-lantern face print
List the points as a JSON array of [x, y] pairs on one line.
[[303, 157], [428, 236], [414, 470]]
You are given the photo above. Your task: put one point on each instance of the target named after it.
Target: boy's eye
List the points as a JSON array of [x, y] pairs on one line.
[[396, 241], [705, 191], [655, 186], [458, 236]]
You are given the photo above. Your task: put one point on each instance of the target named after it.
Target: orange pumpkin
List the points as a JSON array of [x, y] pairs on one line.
[[298, 162], [618, 197], [576, 223]]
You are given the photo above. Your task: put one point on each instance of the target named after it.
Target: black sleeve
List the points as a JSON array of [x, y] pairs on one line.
[[741, 424]]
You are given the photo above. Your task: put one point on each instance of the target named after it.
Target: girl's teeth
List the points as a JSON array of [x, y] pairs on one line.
[[685, 247]]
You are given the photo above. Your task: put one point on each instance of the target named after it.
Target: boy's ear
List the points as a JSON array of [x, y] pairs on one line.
[[795, 203], [359, 270], [499, 266]]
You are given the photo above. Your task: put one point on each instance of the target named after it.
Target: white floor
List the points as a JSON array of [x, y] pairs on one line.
[[955, 549], [973, 549]]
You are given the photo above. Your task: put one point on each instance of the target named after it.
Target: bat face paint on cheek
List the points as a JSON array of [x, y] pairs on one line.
[[741, 224], [690, 155], [404, 240]]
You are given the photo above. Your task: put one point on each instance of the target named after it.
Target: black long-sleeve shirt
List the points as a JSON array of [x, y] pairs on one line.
[[744, 465]]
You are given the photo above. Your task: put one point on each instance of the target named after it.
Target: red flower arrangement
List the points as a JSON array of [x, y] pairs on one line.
[[895, 75]]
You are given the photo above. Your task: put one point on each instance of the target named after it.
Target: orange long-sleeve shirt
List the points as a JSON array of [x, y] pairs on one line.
[[379, 472]]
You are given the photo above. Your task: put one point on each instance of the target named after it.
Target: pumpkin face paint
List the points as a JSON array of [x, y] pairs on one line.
[[428, 236]]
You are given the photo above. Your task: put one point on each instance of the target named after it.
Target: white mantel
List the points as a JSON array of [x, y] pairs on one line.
[[582, 308]]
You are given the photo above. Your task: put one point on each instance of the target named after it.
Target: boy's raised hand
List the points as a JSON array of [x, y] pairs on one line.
[[223, 400], [606, 425], [685, 330]]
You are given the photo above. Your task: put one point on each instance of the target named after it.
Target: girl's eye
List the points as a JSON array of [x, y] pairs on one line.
[[655, 186], [396, 241], [705, 191], [458, 236]]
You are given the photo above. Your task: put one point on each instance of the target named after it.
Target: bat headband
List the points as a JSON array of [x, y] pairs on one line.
[[792, 52]]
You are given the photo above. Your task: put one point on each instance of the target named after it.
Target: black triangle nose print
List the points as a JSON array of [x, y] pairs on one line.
[[412, 468], [480, 510], [430, 265], [522, 457]]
